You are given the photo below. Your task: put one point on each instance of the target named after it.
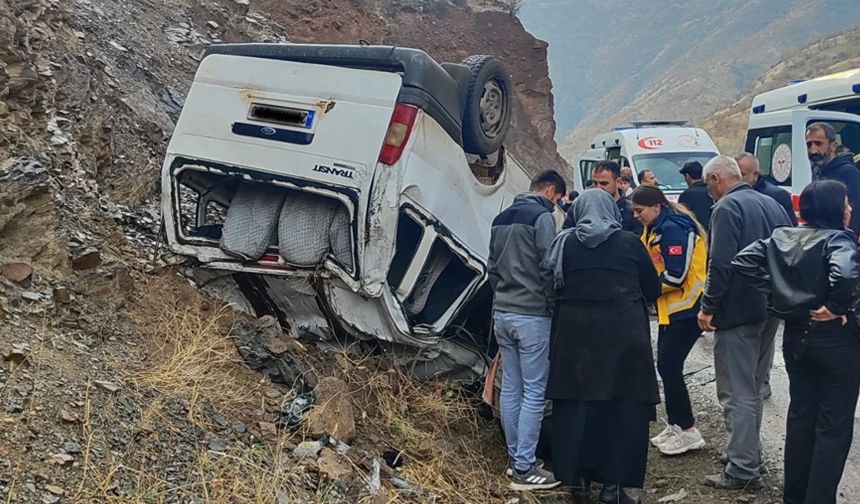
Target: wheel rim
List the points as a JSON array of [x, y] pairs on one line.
[[493, 108]]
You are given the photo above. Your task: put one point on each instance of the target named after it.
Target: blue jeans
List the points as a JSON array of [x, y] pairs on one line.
[[524, 345]]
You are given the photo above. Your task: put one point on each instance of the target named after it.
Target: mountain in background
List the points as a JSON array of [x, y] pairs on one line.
[[824, 56], [612, 61]]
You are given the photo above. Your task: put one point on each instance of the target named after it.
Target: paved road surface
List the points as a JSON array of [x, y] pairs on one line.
[[700, 371]]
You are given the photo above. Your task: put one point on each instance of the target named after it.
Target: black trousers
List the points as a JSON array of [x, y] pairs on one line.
[[603, 441], [824, 380], [674, 342]]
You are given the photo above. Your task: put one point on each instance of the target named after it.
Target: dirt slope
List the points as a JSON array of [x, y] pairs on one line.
[[119, 381]]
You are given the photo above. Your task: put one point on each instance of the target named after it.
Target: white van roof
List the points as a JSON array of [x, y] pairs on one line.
[[665, 136], [803, 94]]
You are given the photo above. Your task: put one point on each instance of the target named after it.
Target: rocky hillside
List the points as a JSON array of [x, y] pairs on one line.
[[119, 380], [613, 61], [825, 56]]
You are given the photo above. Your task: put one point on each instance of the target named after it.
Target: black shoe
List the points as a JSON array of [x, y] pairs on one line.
[[724, 481], [582, 492], [614, 494], [581, 497]]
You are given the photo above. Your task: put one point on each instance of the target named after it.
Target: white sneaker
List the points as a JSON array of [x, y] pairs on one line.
[[664, 436], [682, 441]]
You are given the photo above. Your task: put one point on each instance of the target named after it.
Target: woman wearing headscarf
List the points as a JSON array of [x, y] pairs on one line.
[[811, 274], [679, 250], [602, 380]]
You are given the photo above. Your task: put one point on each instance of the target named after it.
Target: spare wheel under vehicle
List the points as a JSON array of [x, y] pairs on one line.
[[487, 114]]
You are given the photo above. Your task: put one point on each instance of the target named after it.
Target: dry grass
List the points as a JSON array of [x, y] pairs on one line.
[[448, 450], [190, 358], [259, 474], [193, 358], [450, 453]]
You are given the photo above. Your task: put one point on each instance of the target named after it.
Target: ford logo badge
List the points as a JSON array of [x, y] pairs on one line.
[[267, 131]]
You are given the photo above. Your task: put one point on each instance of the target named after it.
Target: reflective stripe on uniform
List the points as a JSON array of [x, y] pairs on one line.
[[690, 299]]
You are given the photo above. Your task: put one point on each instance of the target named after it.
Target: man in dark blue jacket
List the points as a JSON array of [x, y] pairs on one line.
[[695, 197], [743, 339], [522, 311], [821, 148], [751, 173]]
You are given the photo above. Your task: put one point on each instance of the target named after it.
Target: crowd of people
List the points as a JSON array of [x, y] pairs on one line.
[[571, 315]]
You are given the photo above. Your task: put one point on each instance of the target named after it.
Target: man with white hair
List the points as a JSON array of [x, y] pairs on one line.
[[737, 313]]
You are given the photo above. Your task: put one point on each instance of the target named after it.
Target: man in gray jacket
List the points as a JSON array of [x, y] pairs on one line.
[[519, 239], [743, 340]]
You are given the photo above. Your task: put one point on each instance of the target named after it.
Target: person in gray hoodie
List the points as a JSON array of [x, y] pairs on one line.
[[522, 310]]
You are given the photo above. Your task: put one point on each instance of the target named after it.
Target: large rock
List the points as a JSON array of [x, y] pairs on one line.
[[333, 412], [28, 217], [87, 258], [20, 273], [332, 468]]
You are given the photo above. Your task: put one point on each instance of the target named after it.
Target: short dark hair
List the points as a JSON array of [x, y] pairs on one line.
[[822, 204], [548, 178], [641, 175], [627, 178], [828, 130], [572, 195], [693, 169], [607, 165]]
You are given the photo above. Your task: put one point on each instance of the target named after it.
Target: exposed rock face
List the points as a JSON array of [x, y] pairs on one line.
[[87, 104], [28, 220]]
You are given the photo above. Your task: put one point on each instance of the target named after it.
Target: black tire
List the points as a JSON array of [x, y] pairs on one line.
[[486, 124]]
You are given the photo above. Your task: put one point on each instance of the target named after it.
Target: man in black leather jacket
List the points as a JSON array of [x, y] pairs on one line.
[[810, 274], [743, 340]]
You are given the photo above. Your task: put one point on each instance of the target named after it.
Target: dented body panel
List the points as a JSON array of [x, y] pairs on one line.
[[418, 230]]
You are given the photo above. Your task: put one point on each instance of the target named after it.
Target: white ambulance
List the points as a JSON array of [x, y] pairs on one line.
[[662, 147], [779, 118]]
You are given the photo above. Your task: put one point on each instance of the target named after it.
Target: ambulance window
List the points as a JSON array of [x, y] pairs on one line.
[[613, 153], [767, 142], [847, 136], [847, 106], [585, 168]]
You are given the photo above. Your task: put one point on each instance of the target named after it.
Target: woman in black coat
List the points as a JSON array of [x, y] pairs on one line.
[[602, 380], [811, 274]]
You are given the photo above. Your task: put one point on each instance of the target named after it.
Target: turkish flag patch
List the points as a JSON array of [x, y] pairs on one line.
[[676, 250]]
